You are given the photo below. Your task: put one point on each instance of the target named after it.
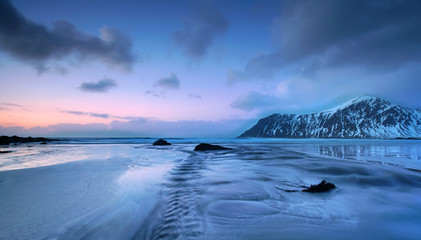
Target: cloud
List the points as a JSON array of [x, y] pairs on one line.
[[200, 31], [157, 94], [41, 68], [101, 115], [254, 100], [195, 96], [314, 35], [75, 112], [331, 87], [101, 86], [98, 115], [38, 44], [10, 104], [170, 82]]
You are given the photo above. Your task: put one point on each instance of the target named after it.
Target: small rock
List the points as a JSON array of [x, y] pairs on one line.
[[5, 152], [43, 142], [161, 142], [323, 186], [209, 147]]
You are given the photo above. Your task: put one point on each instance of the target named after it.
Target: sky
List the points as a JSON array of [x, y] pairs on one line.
[[162, 68]]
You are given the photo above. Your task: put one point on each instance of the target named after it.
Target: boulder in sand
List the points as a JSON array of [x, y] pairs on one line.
[[323, 186], [161, 142], [209, 147]]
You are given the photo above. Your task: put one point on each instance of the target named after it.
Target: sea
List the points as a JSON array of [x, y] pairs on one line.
[[126, 188]]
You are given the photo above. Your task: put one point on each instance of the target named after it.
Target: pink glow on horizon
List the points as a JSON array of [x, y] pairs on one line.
[[43, 118], [44, 112]]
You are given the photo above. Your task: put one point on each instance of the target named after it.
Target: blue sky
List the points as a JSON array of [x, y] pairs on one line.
[[197, 68]]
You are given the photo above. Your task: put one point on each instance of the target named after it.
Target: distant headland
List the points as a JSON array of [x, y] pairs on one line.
[[6, 140]]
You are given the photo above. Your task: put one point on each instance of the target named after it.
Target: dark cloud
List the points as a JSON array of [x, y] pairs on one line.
[[170, 82], [377, 35], [200, 30], [99, 115], [37, 44], [101, 86], [41, 68]]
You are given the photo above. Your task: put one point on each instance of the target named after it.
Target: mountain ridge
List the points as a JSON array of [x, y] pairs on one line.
[[360, 117]]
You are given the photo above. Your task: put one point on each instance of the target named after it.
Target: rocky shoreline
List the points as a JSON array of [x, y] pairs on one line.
[[6, 140]]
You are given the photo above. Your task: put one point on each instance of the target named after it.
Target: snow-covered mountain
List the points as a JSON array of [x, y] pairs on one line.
[[361, 117]]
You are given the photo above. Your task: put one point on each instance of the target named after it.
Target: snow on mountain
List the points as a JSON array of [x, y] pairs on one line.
[[361, 117]]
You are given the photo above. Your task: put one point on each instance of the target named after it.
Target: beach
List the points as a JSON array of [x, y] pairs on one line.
[[129, 189]]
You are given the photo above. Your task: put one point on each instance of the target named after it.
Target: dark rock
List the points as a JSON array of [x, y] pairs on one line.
[[43, 142], [209, 147], [5, 152], [323, 186], [4, 140], [161, 142]]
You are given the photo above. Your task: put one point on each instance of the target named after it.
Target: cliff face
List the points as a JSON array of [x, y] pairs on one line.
[[361, 117]]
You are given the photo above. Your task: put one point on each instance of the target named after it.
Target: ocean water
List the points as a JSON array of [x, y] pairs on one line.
[[129, 189]]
